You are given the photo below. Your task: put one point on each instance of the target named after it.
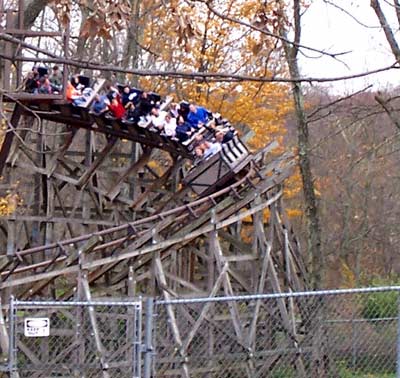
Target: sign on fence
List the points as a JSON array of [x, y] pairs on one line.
[[37, 327]]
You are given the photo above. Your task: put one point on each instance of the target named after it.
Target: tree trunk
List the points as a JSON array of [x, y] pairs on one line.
[[131, 50], [311, 204]]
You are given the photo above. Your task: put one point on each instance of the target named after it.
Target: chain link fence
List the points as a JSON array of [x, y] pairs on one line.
[[337, 334], [75, 339], [327, 334]]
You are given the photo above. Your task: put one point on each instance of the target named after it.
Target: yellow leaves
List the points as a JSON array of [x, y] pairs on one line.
[[294, 213], [156, 166], [349, 278], [8, 204], [246, 234]]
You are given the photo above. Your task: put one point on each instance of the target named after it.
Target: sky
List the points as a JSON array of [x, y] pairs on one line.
[[328, 28]]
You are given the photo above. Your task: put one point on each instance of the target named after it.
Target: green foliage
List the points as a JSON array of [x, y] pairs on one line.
[[283, 372], [344, 371], [381, 304]]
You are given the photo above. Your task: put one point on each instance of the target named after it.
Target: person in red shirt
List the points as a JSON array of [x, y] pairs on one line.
[[116, 108]]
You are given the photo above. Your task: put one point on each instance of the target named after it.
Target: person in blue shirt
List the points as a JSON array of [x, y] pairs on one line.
[[183, 130], [100, 104], [197, 116]]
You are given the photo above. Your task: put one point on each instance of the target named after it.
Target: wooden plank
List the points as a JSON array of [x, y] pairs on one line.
[[93, 322], [11, 238], [4, 340], [133, 168], [53, 163], [171, 315], [91, 170], [8, 139]]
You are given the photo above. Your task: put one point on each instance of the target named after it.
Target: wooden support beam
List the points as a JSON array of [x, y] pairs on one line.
[[133, 168], [96, 333], [68, 265], [11, 238], [6, 146], [220, 262], [171, 314], [96, 163], [135, 249], [60, 153], [214, 291], [6, 74], [158, 183], [14, 151], [4, 341]]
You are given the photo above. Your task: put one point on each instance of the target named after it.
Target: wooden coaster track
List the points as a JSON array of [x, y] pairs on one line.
[[133, 239]]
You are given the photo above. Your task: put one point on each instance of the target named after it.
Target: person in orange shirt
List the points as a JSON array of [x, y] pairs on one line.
[[72, 93]]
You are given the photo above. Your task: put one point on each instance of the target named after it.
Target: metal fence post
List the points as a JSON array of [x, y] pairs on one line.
[[11, 351], [137, 341], [398, 337], [148, 336]]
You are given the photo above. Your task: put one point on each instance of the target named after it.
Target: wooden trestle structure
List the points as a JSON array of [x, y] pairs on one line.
[[108, 210], [164, 240]]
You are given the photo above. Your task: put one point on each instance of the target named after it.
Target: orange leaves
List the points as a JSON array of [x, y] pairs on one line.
[[63, 10], [294, 213], [210, 43], [95, 26]]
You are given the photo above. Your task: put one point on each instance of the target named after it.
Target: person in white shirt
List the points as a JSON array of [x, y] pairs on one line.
[[211, 149], [158, 118], [170, 126], [174, 109]]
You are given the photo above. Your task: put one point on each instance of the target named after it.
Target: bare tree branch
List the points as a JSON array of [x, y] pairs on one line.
[[210, 76], [397, 6], [386, 28], [264, 31], [381, 101]]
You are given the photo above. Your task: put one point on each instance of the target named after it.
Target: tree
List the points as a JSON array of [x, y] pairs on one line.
[[311, 206]]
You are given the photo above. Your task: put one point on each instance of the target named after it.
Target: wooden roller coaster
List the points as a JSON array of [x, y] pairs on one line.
[[96, 208], [111, 208]]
